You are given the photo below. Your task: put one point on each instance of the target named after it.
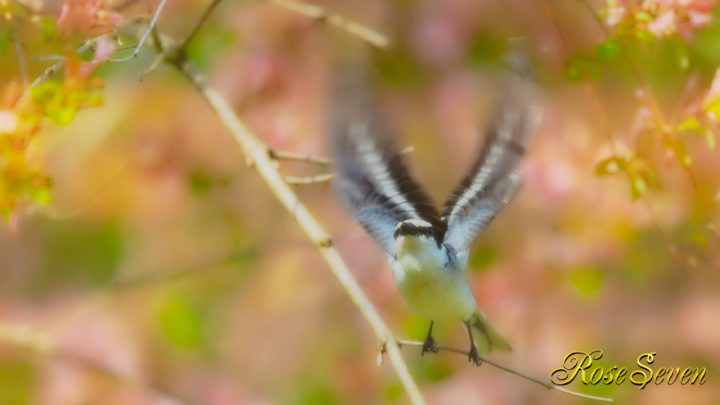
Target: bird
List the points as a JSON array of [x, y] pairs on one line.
[[427, 249]]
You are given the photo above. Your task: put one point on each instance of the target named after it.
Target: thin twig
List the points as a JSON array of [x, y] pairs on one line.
[[36, 342], [22, 63], [299, 157], [367, 34], [317, 160], [201, 22], [151, 278], [546, 384], [308, 180], [145, 34], [50, 70]]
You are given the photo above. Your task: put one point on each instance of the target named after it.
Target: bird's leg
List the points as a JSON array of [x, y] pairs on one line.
[[429, 343], [473, 356]]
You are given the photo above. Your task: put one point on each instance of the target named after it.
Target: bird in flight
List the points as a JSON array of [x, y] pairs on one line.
[[428, 250]]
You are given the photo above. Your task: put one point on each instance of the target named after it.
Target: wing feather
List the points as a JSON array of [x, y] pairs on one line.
[[495, 175], [373, 180]]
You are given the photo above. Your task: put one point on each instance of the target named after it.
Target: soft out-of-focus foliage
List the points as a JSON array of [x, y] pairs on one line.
[[136, 237], [25, 109]]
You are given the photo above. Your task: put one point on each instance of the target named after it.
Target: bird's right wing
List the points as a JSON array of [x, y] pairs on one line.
[[372, 181]]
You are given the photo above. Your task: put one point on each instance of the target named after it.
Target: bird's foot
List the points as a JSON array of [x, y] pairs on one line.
[[474, 356], [429, 346]]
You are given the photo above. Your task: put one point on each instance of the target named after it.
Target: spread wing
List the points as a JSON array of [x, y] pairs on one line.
[[495, 175], [373, 180]]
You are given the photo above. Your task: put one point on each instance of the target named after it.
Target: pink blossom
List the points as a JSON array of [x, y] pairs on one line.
[[665, 24], [87, 17], [8, 121], [104, 48], [714, 92]]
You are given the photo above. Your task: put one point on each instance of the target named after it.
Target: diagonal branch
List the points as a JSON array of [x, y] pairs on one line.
[[258, 153]]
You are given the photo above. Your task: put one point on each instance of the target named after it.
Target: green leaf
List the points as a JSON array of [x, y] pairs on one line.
[[709, 138], [180, 320], [63, 115], [690, 124], [482, 257], [643, 16], [4, 42], [49, 28], [638, 186], [573, 73], [714, 108], [679, 150], [588, 281], [608, 49], [19, 379]]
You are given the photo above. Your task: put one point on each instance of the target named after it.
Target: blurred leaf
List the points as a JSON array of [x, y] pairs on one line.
[[399, 67], [200, 183], [608, 49], [690, 124], [678, 148], [432, 371], [588, 281], [581, 67], [180, 320], [416, 327], [713, 108], [316, 392], [610, 166], [17, 381], [63, 115], [485, 48], [573, 73], [4, 42], [482, 257], [77, 252], [49, 27], [393, 391], [210, 42], [642, 16], [709, 138], [638, 186]]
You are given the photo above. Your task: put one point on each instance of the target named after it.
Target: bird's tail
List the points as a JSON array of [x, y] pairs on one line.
[[486, 338]]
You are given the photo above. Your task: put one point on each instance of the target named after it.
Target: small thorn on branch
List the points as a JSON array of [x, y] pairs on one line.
[[324, 243], [382, 351]]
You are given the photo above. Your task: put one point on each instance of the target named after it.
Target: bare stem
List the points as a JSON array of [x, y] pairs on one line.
[[546, 384], [22, 63], [201, 22], [299, 157], [309, 180], [145, 34], [261, 158], [258, 153], [369, 35]]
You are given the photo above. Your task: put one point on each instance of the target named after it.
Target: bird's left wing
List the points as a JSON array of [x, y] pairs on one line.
[[495, 175], [373, 180]]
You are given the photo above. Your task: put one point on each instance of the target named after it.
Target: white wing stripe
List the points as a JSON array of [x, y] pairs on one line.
[[385, 183]]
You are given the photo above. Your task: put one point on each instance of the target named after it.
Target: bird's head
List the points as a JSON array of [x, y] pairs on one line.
[[414, 234]]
